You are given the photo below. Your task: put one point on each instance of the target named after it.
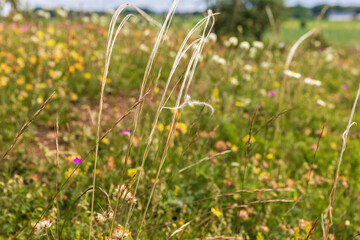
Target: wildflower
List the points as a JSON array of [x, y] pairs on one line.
[[121, 232], [181, 127], [312, 82], [248, 68], [216, 212], [160, 127], [73, 96], [144, 48], [359, 198], [246, 139], [245, 45], [258, 44], [125, 193], [61, 12], [131, 171], [344, 87], [244, 214], [218, 60], [77, 160], [232, 42], [100, 217], [252, 52], [25, 28], [106, 141], [87, 75], [50, 43], [321, 102], [292, 74], [17, 17], [234, 81], [125, 132], [212, 37], [43, 225], [281, 45], [272, 93]]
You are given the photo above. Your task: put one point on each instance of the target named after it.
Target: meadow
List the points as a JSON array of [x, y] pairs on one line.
[[239, 144]]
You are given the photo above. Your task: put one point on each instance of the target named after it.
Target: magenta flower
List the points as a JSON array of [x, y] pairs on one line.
[[78, 160], [359, 199], [344, 87], [272, 93], [13, 25], [25, 27], [125, 132]]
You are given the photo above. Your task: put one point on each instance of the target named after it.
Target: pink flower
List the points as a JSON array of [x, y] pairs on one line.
[[25, 27], [272, 93], [359, 199], [125, 132], [344, 87], [78, 160]]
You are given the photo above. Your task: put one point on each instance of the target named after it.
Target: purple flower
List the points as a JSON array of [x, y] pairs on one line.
[[272, 93], [78, 160], [125, 132], [359, 199], [344, 87]]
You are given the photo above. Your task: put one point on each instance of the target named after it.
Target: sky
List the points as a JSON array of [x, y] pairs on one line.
[[161, 5]]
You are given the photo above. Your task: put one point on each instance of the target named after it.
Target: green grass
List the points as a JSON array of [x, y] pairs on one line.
[[335, 33]]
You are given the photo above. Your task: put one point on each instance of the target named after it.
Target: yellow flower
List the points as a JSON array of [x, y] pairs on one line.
[[181, 127], [131, 171], [33, 59], [87, 75], [40, 100], [40, 34], [156, 90], [239, 104], [160, 127], [216, 95], [216, 212], [106, 141], [270, 156], [29, 87], [246, 139], [276, 84], [176, 191], [72, 69], [181, 222], [74, 97], [3, 81]]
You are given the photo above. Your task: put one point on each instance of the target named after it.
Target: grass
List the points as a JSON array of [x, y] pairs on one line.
[[261, 166], [334, 33]]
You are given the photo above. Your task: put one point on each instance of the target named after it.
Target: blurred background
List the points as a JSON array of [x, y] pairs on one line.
[[294, 16]]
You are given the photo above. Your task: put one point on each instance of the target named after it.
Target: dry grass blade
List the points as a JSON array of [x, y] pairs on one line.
[[293, 206], [328, 222], [181, 98], [255, 191], [205, 159], [26, 125], [297, 44], [270, 120], [179, 230], [56, 176], [110, 44], [312, 229]]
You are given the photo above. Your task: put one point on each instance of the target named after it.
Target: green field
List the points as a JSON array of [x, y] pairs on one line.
[[335, 33], [238, 148]]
